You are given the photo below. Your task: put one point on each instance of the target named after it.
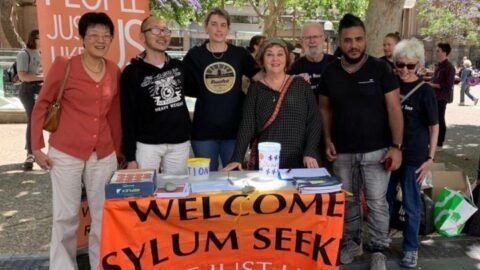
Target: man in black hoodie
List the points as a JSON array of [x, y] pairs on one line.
[[155, 118]]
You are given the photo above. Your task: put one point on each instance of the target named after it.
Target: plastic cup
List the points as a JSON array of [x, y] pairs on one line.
[[198, 168], [269, 158]]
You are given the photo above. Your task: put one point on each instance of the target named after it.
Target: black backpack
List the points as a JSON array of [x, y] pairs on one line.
[[426, 222], [11, 74]]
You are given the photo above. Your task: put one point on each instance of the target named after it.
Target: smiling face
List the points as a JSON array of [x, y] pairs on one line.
[[156, 35], [97, 40], [217, 28], [275, 59], [353, 44], [406, 68]]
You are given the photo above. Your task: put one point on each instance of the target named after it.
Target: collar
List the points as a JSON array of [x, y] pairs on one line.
[[141, 56]]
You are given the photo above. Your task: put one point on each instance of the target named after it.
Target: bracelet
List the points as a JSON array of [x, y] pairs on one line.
[[430, 157]]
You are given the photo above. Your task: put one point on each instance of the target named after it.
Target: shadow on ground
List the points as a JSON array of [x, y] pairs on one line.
[[461, 149]]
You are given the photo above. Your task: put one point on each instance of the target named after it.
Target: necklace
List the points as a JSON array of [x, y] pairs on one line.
[[275, 90], [213, 53], [92, 70], [354, 69]]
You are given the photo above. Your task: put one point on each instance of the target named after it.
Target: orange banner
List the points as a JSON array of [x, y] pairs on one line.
[[280, 230], [58, 25]]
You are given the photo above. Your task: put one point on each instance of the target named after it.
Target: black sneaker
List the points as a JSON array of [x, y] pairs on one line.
[[28, 164]]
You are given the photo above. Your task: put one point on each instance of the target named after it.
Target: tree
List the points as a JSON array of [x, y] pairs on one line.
[[450, 20], [383, 17], [6, 22], [269, 11]]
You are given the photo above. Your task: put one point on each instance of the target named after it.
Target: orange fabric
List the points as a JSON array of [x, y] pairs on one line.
[[276, 230], [90, 111], [58, 24]]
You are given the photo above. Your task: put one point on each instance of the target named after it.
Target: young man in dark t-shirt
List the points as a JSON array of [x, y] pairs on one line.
[[363, 128], [314, 62]]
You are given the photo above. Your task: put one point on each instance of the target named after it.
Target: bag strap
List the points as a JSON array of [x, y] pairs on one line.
[[64, 82], [403, 98], [279, 103]]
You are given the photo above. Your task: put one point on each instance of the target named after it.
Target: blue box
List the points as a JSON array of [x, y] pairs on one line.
[[131, 183]]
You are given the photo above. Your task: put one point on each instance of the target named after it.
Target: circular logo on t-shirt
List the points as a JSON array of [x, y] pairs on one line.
[[219, 77]]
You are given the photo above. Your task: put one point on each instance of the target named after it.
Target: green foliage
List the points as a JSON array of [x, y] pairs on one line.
[[318, 9], [450, 20]]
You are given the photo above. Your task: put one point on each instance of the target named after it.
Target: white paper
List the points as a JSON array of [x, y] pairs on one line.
[[215, 185], [314, 172]]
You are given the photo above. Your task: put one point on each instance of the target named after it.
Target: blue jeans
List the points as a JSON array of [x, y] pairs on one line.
[[213, 149], [411, 203], [465, 90], [365, 171]]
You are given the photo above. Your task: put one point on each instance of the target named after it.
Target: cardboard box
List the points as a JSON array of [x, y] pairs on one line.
[[455, 180], [131, 183]]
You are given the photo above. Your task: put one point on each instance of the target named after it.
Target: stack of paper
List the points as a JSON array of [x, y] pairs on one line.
[[183, 190], [291, 174], [324, 184], [216, 185]]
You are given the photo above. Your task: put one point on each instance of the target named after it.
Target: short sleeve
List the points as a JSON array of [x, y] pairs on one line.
[[389, 80], [22, 61], [430, 105], [323, 85], [249, 65]]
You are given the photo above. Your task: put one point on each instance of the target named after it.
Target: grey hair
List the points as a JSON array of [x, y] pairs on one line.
[[467, 63], [411, 48], [313, 24]]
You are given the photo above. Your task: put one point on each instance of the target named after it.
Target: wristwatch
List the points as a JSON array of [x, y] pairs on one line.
[[396, 145]]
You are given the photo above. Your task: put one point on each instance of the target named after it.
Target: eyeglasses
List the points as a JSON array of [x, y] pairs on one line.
[[312, 37], [99, 37], [158, 31], [401, 65]]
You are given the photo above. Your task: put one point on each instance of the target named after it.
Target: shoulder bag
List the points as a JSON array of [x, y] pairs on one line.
[[52, 116]]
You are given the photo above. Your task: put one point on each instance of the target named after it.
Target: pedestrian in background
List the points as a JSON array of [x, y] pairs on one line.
[[30, 73], [85, 146], [442, 82], [465, 86], [389, 42]]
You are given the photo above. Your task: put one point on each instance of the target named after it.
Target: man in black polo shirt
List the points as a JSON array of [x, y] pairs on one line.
[[314, 62], [363, 125]]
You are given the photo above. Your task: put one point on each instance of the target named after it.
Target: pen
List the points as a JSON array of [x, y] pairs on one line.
[[289, 170]]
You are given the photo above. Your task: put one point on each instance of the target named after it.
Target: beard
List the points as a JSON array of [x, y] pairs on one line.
[[353, 61], [313, 52]]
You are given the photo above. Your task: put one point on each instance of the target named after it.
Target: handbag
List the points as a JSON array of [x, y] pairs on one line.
[[252, 160], [52, 116]]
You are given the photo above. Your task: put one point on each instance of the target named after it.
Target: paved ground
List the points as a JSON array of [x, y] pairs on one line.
[[25, 201]]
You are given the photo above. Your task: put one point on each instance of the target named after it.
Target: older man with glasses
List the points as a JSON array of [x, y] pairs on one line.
[[311, 65], [155, 119]]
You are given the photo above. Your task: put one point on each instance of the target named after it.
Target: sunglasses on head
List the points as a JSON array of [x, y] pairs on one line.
[[401, 65]]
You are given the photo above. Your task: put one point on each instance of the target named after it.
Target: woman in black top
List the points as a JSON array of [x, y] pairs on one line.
[[297, 125], [213, 73], [419, 142]]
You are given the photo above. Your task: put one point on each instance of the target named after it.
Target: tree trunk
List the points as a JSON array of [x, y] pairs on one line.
[[8, 28], [383, 17]]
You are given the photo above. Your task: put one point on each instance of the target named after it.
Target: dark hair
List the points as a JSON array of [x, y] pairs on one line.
[[220, 12], [31, 44], [445, 47], [268, 44], [93, 18], [255, 40], [395, 36], [348, 21]]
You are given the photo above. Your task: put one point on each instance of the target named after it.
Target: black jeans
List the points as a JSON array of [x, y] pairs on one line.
[[442, 107], [28, 94]]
